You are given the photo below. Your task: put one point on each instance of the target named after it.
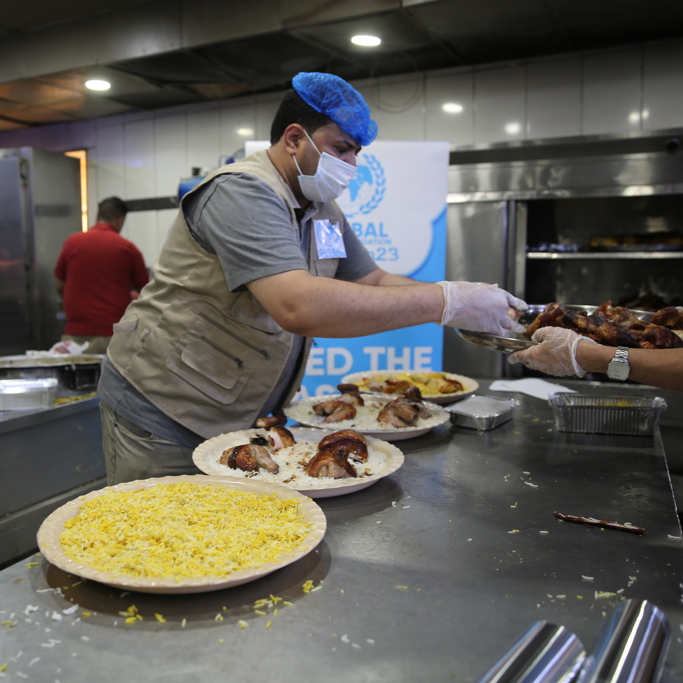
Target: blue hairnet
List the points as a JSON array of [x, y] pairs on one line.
[[333, 96]]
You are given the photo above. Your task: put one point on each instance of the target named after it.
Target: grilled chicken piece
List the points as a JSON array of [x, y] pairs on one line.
[[249, 457], [350, 393], [671, 317], [347, 441], [335, 410], [278, 435], [330, 463], [400, 412], [444, 385]]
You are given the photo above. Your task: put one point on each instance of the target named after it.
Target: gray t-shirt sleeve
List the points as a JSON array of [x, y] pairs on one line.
[[358, 263], [242, 220]]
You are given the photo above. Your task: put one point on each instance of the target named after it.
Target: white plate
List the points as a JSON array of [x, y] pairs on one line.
[[302, 412], [470, 385], [207, 455], [51, 529]]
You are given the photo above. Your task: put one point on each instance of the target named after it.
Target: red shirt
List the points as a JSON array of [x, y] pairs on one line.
[[99, 269]]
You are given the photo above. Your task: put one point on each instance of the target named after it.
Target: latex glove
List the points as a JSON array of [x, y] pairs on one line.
[[555, 355], [481, 307]]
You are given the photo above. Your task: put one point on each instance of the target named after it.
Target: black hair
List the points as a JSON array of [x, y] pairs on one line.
[[111, 209], [293, 109]]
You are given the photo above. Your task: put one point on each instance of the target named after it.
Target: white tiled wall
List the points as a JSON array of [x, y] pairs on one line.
[[617, 91]]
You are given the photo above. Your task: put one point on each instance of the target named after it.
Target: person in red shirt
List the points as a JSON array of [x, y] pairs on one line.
[[98, 273]]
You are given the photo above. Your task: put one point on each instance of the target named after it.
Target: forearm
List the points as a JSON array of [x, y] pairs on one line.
[[323, 307], [661, 368]]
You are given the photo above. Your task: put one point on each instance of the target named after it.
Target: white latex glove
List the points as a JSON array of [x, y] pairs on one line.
[[555, 355], [480, 307]]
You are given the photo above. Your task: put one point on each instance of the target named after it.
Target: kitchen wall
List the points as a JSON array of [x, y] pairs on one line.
[[633, 89]]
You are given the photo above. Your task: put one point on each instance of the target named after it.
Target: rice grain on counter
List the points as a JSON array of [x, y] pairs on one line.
[[182, 531]]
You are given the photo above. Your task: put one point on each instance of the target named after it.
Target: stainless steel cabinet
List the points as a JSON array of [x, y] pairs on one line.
[[40, 206], [526, 225]]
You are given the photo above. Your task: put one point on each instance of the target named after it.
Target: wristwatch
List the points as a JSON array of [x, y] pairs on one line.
[[618, 367]]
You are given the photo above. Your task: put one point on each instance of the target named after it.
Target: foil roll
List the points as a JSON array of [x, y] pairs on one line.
[[631, 647], [545, 653]]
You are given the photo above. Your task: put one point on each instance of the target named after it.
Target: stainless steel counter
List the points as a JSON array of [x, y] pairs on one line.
[[47, 457], [428, 575]]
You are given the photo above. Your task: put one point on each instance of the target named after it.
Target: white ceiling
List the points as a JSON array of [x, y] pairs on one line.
[[159, 53]]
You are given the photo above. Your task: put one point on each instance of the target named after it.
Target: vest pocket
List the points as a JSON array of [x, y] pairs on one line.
[[217, 366]]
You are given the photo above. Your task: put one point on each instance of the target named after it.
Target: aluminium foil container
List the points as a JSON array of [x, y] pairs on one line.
[[27, 394], [482, 412], [627, 416]]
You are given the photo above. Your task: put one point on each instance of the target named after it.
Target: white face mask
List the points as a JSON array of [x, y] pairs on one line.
[[330, 180]]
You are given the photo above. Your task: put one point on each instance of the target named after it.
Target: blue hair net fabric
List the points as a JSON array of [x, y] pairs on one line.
[[333, 96]]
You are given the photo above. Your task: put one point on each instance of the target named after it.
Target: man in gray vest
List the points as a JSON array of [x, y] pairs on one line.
[[259, 261]]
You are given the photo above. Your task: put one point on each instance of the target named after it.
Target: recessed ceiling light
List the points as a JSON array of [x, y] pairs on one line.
[[452, 107], [245, 132], [513, 128], [97, 84], [366, 41]]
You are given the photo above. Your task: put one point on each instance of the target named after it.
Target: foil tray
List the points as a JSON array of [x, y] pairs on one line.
[[632, 416], [482, 412], [27, 394]]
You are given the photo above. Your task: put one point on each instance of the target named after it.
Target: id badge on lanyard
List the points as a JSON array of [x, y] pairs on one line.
[[328, 239]]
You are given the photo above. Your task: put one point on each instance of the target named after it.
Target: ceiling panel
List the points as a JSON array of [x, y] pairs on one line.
[[184, 51]]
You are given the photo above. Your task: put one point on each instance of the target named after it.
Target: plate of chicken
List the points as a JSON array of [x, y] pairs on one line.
[[384, 416], [316, 462], [437, 387]]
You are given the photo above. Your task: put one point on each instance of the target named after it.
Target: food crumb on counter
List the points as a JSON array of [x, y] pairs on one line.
[[543, 531], [219, 617], [32, 564], [159, 618], [402, 588], [242, 624], [514, 531], [533, 486], [183, 623], [587, 578], [604, 594]]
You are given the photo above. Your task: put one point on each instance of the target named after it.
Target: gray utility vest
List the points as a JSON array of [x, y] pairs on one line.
[[204, 356]]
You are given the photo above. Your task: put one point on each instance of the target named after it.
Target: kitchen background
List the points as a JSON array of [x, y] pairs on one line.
[[627, 91]]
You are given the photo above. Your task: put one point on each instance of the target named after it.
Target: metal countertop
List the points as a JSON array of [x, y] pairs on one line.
[[428, 575]]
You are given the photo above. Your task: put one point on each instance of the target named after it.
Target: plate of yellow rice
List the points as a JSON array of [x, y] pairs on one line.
[[182, 534]]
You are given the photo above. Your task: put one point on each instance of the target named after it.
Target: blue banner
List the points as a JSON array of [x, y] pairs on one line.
[[397, 207]]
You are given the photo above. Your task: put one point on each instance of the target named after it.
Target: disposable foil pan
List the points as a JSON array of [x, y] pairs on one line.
[[631, 416], [545, 653], [27, 394], [482, 412], [631, 647]]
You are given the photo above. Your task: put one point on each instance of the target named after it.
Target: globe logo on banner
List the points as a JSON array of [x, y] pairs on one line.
[[366, 191]]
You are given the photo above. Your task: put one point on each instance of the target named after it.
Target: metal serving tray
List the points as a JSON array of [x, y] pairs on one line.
[[632, 416], [27, 394], [482, 412]]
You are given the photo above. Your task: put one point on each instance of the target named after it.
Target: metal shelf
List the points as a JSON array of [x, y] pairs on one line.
[[603, 255]]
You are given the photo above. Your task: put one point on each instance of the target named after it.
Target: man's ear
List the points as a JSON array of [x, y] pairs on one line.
[[292, 137]]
